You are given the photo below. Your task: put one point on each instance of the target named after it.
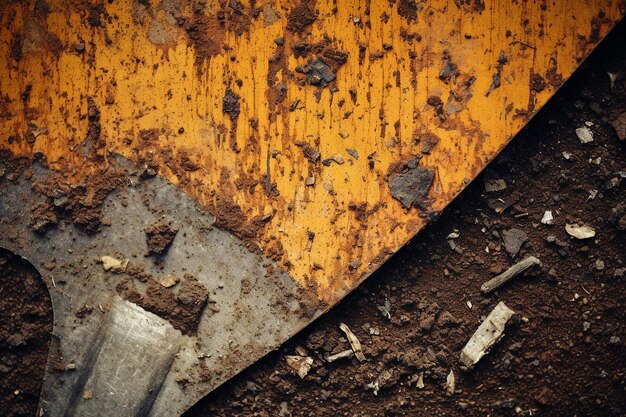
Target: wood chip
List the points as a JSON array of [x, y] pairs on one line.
[[486, 336], [169, 280], [580, 232], [509, 274], [300, 364], [450, 383], [354, 342], [348, 353], [115, 265]]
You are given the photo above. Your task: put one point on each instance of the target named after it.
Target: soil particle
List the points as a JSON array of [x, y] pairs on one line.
[[25, 327], [411, 186], [182, 308], [301, 16], [619, 124], [514, 239], [93, 144], [230, 104], [159, 236]]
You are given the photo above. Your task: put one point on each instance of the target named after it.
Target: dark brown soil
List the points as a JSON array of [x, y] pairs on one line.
[[25, 326], [563, 353]]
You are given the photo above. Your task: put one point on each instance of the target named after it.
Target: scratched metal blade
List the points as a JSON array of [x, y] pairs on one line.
[[120, 359]]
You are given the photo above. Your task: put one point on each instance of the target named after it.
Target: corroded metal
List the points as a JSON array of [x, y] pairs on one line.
[[322, 135]]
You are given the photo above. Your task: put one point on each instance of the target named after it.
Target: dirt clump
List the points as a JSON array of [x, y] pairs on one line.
[[81, 204], [159, 236], [182, 308]]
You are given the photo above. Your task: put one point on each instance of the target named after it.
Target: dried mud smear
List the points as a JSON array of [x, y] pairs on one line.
[[81, 204], [182, 309]]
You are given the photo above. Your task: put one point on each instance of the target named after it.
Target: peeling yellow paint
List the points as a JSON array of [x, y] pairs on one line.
[[142, 71]]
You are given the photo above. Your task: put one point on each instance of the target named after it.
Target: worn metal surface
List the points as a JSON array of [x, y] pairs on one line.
[[129, 361], [219, 98], [322, 134]]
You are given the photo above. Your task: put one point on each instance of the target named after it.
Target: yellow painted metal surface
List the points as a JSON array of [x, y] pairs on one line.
[[194, 91]]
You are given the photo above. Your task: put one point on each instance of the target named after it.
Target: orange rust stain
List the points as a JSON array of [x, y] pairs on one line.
[[229, 102]]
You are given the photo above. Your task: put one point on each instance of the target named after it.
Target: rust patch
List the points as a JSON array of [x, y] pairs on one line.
[[408, 9], [302, 16], [537, 83], [449, 71], [475, 6], [17, 43], [497, 77], [230, 104], [206, 35]]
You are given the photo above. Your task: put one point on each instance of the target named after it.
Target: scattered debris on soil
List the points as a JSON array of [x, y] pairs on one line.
[[348, 353], [619, 124], [450, 383], [547, 217], [488, 334], [159, 237], [584, 134]]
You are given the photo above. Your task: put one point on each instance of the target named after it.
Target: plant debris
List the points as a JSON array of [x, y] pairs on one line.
[[509, 274], [300, 364], [580, 232], [486, 336], [354, 342]]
